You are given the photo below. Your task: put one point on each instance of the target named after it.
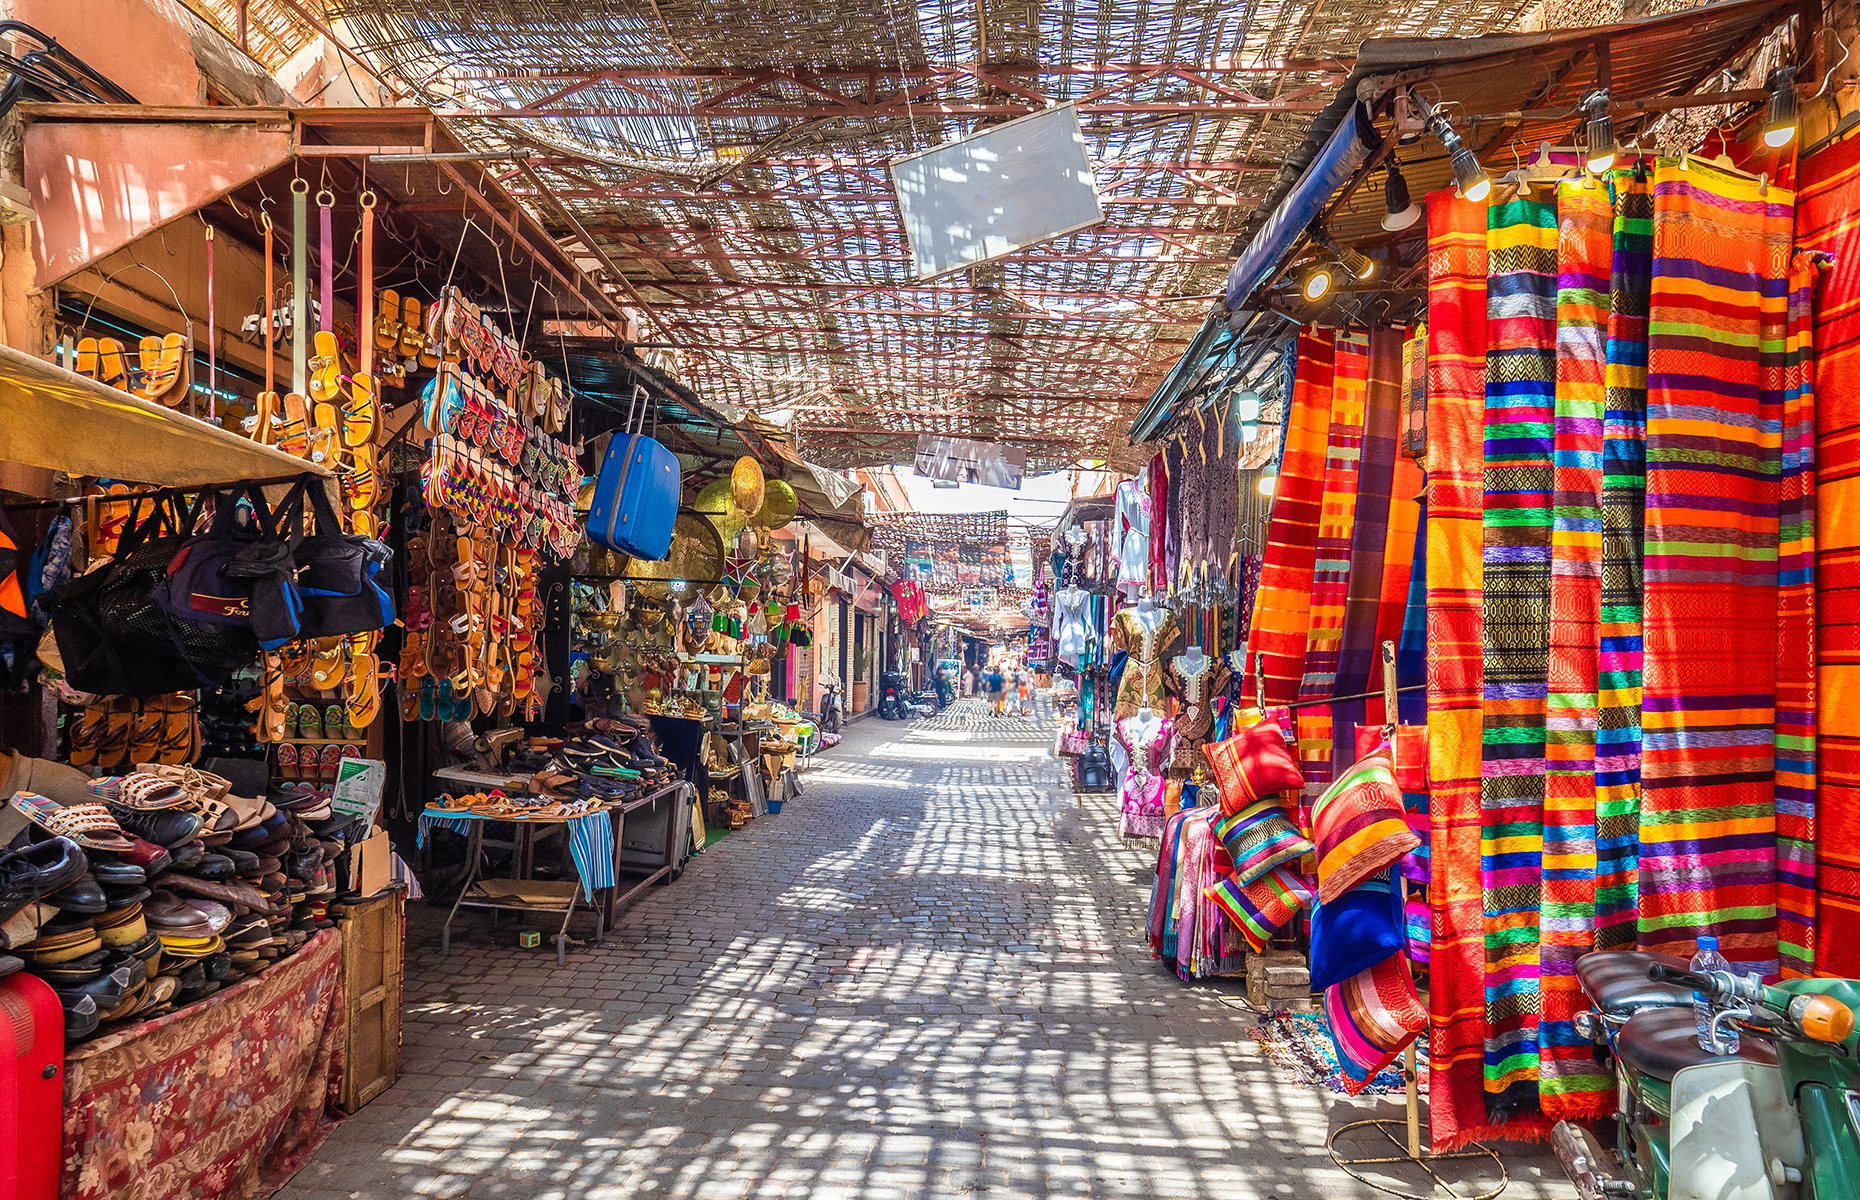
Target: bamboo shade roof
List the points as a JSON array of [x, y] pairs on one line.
[[727, 158]]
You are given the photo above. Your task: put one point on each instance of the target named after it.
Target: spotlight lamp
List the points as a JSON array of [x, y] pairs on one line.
[[1474, 183], [1780, 122], [1317, 283], [1399, 208], [1601, 132]]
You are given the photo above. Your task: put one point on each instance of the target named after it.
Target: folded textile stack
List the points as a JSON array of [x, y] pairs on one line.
[[165, 890]]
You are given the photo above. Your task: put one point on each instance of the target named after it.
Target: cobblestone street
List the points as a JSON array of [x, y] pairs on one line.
[[927, 977]]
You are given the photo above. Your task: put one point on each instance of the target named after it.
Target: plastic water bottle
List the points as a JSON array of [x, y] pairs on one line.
[[1704, 962]]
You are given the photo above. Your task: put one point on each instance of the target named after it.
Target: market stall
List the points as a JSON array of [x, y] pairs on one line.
[[1526, 432]]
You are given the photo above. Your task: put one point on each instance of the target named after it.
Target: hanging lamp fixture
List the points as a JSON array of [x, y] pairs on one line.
[[1399, 208], [1602, 149], [1780, 122], [1474, 183]]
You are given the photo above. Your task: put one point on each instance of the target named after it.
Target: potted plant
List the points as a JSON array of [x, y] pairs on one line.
[[862, 658]]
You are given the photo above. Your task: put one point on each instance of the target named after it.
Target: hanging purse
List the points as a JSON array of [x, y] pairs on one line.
[[115, 639], [239, 573], [338, 575]]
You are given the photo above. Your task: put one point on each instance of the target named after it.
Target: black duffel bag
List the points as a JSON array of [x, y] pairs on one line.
[[116, 640], [339, 576]]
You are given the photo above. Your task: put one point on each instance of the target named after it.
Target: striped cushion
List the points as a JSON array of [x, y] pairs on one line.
[[1261, 908], [1359, 826], [1373, 1017], [1253, 764], [1260, 837]]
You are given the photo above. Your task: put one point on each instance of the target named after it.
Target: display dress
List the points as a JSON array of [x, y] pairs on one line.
[[1197, 690], [1069, 633], [1131, 548], [1146, 641], [1141, 793]]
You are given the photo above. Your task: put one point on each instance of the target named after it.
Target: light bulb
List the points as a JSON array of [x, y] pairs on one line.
[[1317, 284], [1780, 121], [1268, 484]]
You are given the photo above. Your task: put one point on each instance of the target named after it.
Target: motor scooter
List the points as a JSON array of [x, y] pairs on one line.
[[829, 715], [891, 701], [1777, 1120]]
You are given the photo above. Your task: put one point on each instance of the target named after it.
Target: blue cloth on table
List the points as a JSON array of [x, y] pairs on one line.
[[590, 842]]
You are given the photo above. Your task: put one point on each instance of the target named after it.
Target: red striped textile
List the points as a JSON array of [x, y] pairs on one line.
[[1571, 1084], [1829, 221], [1716, 328], [1795, 634], [1330, 582], [1456, 346], [1282, 604]]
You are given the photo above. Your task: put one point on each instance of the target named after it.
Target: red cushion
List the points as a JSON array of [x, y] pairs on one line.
[[1253, 764]]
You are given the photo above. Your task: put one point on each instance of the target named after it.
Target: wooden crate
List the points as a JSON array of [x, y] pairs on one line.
[[374, 939]]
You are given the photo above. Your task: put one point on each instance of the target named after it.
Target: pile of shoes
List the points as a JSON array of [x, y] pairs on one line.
[[161, 893], [607, 757]]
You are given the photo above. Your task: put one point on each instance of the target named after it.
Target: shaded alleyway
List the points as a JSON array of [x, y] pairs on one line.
[[927, 978]]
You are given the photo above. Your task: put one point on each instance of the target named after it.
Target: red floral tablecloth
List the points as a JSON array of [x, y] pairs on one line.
[[221, 1101]]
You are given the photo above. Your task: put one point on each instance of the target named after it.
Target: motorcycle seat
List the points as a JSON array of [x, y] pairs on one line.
[[1616, 981], [1662, 1042]]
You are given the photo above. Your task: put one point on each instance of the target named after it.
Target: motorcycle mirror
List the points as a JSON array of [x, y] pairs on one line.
[[1824, 1019]]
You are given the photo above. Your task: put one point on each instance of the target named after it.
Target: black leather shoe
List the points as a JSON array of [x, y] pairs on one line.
[[105, 991], [213, 868], [111, 873], [120, 897], [81, 895], [168, 827], [80, 1019], [28, 874], [186, 857]]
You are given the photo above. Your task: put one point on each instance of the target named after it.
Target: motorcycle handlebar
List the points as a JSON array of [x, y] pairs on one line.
[[1661, 973]]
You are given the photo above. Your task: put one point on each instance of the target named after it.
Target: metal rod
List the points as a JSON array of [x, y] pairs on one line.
[[113, 497], [1418, 687]]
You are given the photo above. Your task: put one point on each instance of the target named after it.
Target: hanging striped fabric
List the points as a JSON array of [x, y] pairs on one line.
[[1282, 601], [1359, 663], [1795, 634], [1624, 499], [1829, 221], [1715, 335], [1572, 1085], [1456, 362], [1519, 414], [1330, 585]]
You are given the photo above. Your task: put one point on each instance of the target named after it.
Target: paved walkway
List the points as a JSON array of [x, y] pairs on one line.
[[928, 977]]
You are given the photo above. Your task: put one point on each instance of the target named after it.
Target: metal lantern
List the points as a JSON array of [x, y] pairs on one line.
[[1414, 395]]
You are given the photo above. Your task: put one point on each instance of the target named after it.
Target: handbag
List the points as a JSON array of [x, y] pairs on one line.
[[240, 572], [338, 575], [116, 641]]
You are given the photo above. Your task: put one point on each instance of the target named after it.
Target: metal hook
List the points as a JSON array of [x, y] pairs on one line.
[[300, 186]]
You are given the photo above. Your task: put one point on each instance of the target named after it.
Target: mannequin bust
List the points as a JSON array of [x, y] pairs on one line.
[[1192, 661]]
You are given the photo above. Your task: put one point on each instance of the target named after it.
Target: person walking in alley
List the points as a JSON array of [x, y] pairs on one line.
[[995, 685]]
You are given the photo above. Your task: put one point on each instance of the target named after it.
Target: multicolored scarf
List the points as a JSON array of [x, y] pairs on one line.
[[1572, 1085], [1330, 584], [1795, 633], [1829, 221], [1519, 417], [1282, 602], [1456, 371], [1717, 326], [1358, 662], [1623, 509]]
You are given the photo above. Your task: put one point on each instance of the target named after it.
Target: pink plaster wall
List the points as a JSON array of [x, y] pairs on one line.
[[143, 46]]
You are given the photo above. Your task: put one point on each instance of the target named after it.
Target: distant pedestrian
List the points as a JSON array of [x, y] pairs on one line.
[[996, 695], [1023, 685]]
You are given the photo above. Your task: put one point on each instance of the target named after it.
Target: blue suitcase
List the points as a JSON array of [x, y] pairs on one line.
[[635, 497]]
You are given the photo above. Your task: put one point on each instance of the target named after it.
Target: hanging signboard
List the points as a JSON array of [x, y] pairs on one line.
[[985, 463], [996, 191]]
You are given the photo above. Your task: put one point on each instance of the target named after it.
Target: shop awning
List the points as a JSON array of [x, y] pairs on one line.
[[51, 417]]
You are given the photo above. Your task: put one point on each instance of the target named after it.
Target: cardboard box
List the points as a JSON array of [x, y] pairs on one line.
[[370, 866]]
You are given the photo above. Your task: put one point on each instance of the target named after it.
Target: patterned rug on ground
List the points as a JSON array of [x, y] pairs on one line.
[[1301, 1043]]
